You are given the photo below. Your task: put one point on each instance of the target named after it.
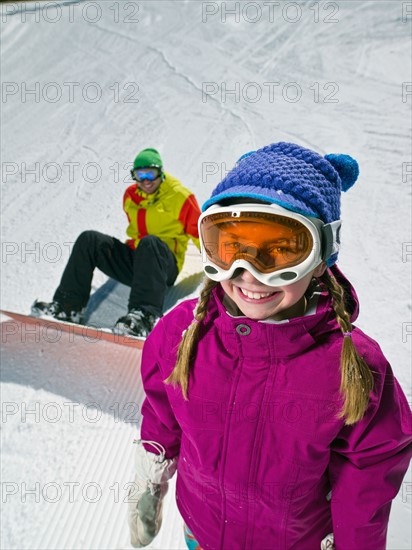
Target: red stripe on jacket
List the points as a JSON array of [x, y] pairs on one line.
[[189, 215], [130, 193], [141, 223]]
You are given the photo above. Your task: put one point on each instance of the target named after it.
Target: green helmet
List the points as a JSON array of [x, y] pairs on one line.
[[146, 158]]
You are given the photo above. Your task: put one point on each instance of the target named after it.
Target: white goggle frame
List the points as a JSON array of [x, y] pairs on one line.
[[325, 238]]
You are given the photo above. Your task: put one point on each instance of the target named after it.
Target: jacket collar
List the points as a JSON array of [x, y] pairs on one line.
[[288, 338], [145, 196]]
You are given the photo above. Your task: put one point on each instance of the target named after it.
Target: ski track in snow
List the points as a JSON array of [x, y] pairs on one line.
[[170, 53]]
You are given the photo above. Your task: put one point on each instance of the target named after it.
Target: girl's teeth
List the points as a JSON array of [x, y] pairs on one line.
[[256, 295]]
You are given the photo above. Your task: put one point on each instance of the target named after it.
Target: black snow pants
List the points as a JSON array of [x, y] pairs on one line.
[[148, 270]]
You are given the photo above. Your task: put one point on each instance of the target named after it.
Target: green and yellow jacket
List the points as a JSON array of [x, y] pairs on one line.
[[171, 213]]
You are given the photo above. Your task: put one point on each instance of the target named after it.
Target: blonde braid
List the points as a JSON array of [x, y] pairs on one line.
[[180, 373], [356, 377]]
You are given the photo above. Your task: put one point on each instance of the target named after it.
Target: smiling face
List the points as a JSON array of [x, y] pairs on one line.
[[147, 185], [258, 301], [150, 187]]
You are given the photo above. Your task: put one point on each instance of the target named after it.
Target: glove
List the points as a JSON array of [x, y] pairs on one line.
[[328, 543], [146, 496]]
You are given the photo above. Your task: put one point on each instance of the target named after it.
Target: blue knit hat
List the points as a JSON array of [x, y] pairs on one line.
[[293, 177]]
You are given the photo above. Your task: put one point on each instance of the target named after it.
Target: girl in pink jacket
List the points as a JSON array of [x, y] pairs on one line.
[[284, 421]]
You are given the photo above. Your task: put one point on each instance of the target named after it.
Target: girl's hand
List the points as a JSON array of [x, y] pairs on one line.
[[328, 543], [145, 512], [146, 496]]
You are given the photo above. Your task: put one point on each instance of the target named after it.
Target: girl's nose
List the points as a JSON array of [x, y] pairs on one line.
[[247, 277]]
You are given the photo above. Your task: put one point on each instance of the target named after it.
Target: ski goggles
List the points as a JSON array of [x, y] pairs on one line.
[[140, 174], [276, 245]]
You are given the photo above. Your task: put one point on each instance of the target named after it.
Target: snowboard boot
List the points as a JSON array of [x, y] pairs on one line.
[[136, 323], [62, 312]]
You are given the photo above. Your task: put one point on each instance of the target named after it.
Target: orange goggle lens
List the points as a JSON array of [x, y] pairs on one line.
[[270, 242]]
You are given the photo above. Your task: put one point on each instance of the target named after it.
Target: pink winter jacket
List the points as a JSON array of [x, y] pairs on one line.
[[263, 461]]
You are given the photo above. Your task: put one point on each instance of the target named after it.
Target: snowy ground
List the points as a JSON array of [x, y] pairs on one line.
[[85, 85]]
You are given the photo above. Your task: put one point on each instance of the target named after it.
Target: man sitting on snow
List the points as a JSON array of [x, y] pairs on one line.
[[162, 218]]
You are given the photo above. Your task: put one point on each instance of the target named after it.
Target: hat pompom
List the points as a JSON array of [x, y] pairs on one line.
[[346, 167]]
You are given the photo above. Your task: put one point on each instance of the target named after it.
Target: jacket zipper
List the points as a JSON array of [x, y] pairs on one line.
[[224, 454]]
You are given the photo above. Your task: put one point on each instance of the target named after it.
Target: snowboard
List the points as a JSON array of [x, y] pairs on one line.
[[87, 332]]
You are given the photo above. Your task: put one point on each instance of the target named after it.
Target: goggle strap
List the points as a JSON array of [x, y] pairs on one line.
[[331, 239]]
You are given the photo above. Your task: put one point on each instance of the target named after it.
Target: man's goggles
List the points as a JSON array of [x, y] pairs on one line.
[[276, 245], [140, 174]]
